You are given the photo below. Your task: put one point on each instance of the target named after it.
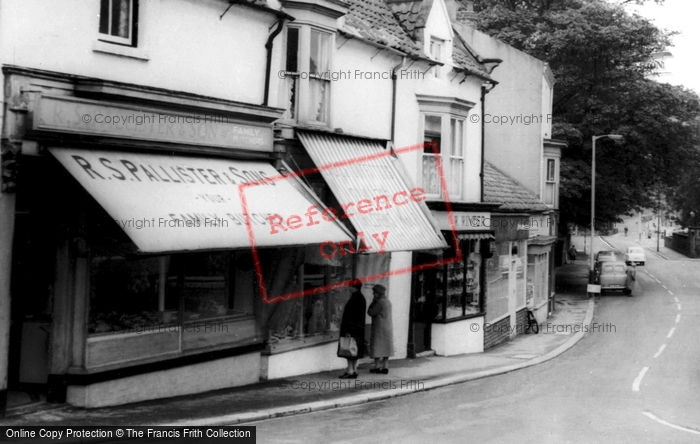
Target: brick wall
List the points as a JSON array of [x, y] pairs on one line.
[[521, 317], [497, 333]]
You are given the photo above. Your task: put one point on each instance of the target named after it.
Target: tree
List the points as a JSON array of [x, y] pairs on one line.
[[601, 58]]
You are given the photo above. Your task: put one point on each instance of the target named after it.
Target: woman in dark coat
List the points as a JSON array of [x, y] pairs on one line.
[[381, 344], [353, 324]]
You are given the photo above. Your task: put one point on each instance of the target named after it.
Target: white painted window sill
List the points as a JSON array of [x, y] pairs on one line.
[[120, 50]]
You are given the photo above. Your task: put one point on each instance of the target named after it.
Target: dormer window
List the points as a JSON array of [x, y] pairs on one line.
[[437, 53], [118, 21]]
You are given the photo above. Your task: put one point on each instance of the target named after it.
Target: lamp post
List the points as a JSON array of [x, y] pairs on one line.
[[613, 137]]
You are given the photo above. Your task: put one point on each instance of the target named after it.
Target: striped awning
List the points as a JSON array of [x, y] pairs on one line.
[[475, 236], [387, 212]]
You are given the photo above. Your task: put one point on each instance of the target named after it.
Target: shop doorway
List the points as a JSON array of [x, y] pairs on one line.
[[424, 306]]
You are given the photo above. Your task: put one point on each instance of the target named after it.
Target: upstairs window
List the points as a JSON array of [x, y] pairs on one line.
[[436, 49], [443, 136], [550, 186], [307, 77], [118, 21]]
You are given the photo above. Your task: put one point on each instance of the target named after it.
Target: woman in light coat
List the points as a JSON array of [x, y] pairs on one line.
[[381, 345]]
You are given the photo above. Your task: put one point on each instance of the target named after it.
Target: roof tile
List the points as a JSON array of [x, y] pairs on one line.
[[499, 188]]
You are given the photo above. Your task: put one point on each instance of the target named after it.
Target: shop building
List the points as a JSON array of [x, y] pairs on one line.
[[138, 187]]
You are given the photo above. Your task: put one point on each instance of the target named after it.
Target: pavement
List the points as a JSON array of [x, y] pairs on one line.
[[322, 391]]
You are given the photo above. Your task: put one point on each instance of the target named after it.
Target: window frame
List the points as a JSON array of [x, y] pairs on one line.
[[447, 152], [437, 46], [108, 37], [298, 93]]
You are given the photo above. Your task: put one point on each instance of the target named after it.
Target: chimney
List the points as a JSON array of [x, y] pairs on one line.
[[466, 13]]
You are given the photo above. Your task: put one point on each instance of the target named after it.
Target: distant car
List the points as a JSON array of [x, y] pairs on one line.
[[614, 276], [605, 255], [635, 255]]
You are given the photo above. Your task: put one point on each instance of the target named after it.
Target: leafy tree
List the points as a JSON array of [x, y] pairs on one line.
[[601, 58]]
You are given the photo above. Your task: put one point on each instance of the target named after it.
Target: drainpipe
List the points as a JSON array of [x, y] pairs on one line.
[[268, 64], [484, 91], [394, 82]]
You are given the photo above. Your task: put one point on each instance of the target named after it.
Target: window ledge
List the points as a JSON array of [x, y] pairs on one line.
[[460, 318], [120, 50], [297, 344]]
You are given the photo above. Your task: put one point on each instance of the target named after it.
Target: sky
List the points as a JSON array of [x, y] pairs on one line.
[[679, 15]]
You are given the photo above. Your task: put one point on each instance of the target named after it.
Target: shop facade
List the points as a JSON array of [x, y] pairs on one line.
[[149, 257]]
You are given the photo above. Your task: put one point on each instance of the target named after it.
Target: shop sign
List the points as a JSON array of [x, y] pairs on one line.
[[91, 117], [174, 203], [463, 221]]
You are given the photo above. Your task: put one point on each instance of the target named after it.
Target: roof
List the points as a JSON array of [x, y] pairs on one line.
[[372, 20], [411, 14], [499, 188], [464, 60]]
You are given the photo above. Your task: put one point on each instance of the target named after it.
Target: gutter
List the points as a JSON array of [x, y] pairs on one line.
[[394, 84], [268, 62], [484, 91]]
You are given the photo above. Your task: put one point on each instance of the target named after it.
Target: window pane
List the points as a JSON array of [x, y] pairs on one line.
[[431, 178], [549, 194], [319, 99], [456, 177], [319, 54], [433, 124], [104, 17], [121, 18], [292, 49], [205, 289], [130, 295], [550, 170]]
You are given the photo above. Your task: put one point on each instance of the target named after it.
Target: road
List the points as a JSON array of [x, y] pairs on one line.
[[637, 382]]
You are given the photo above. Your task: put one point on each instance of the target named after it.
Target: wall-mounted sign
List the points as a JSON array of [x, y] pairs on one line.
[[91, 117]]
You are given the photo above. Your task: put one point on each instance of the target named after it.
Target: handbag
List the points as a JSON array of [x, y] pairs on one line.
[[347, 347]]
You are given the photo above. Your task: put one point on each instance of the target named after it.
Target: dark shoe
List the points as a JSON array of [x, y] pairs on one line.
[[374, 370], [345, 375], [353, 376], [384, 371]]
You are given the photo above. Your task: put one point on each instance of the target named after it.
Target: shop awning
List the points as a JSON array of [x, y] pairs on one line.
[[174, 203], [475, 236], [366, 178]]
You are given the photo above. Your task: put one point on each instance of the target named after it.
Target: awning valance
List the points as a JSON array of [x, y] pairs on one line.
[[475, 236], [174, 203], [377, 199]]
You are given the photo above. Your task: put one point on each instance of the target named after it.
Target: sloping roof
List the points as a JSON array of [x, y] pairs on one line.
[[262, 4], [499, 188], [411, 14], [372, 20], [464, 60]]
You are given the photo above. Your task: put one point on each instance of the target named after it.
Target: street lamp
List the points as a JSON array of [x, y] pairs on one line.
[[612, 137]]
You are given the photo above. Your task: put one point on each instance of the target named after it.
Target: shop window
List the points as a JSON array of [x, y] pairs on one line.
[[318, 313], [307, 81], [458, 287], [130, 293], [118, 22], [448, 150]]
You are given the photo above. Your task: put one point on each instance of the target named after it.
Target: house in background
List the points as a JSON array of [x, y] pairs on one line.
[[518, 135]]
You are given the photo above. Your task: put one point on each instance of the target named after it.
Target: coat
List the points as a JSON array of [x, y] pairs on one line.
[[353, 322], [381, 343]]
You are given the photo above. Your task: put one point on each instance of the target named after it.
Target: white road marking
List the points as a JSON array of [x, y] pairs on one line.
[[657, 280], [670, 292], [670, 333], [676, 299], [661, 421], [661, 350], [664, 287], [678, 318], [679, 306], [638, 380]]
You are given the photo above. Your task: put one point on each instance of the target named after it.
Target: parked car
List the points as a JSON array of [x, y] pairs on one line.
[[615, 275], [603, 256], [635, 255]]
